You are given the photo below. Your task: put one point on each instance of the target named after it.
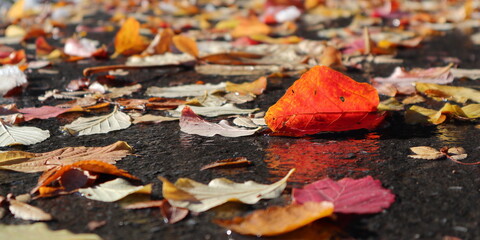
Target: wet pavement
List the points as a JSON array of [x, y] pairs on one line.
[[433, 198]]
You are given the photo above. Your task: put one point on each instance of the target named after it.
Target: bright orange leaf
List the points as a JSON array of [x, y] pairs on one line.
[[128, 39], [324, 100], [186, 45], [278, 220]]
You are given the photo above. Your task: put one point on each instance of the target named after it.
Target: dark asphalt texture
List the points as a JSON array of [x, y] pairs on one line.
[[433, 198]]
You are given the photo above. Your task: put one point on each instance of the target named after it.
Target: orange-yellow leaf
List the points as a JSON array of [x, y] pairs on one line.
[[324, 100], [165, 41], [256, 87], [278, 220], [186, 45], [250, 26], [128, 39]]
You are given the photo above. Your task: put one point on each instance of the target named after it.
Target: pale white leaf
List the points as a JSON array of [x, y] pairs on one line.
[[459, 157], [13, 135], [185, 90], [244, 122], [466, 73], [40, 231], [114, 190], [227, 109], [149, 118], [220, 191], [424, 150], [431, 156], [80, 47], [113, 121], [456, 150], [159, 60], [11, 77], [27, 212], [192, 124]]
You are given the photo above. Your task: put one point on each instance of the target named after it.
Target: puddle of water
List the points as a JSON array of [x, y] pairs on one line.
[[318, 158], [451, 135]]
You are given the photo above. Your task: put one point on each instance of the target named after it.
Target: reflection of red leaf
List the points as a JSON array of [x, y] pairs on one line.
[[324, 100], [316, 158], [360, 196]]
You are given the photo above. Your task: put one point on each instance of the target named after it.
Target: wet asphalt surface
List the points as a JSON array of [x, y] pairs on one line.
[[433, 198]]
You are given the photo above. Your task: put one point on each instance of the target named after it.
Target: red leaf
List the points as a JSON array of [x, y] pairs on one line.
[[324, 100], [43, 112], [360, 196]]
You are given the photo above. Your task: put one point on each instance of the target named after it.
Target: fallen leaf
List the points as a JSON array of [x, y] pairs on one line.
[[185, 90], [186, 45], [466, 73], [425, 152], [69, 178], [332, 57], [245, 122], [250, 26], [324, 100], [402, 81], [359, 196], [82, 47], [128, 39], [455, 154], [14, 135], [43, 112], [199, 197], [92, 225], [458, 94], [27, 212], [416, 114], [278, 220], [256, 87], [191, 123], [170, 213], [214, 111], [12, 77], [36, 162], [122, 91], [229, 162], [113, 121], [114, 190], [149, 118], [40, 231]]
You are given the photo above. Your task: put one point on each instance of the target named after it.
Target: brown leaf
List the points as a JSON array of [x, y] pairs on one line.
[[233, 58], [172, 214], [277, 220], [165, 41], [142, 205], [36, 162], [186, 45], [64, 175], [229, 162]]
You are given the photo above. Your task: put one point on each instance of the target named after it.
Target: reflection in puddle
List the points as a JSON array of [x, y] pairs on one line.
[[318, 158], [451, 135]]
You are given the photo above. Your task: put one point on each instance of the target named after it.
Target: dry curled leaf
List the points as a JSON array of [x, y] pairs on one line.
[[457, 94], [128, 39], [229, 162], [416, 114], [191, 123], [199, 197], [278, 220]]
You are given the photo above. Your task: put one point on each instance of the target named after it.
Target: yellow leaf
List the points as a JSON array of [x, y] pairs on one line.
[[16, 10], [128, 39], [278, 220], [281, 40], [458, 94], [256, 87], [11, 157], [250, 26], [186, 45]]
